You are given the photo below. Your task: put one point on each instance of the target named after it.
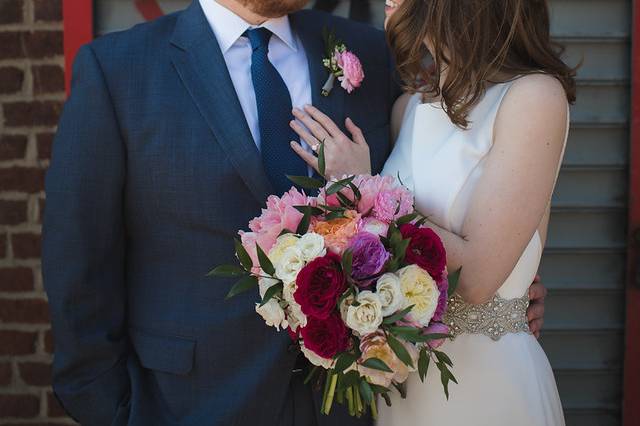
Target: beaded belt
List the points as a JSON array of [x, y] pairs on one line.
[[495, 318]]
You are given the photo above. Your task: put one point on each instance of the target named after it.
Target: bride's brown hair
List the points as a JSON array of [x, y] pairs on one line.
[[476, 42]]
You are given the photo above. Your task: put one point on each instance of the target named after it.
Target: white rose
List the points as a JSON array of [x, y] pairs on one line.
[[282, 243], [311, 245], [288, 291], [265, 283], [367, 316], [390, 293], [421, 291], [290, 264], [272, 314], [316, 359], [344, 306], [296, 317]]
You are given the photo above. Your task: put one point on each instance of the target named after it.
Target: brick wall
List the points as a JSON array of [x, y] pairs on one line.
[[31, 96]]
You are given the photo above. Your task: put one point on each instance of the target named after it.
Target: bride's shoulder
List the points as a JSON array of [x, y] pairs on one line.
[[539, 91]]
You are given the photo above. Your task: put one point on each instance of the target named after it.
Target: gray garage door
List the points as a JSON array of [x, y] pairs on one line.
[[583, 264]]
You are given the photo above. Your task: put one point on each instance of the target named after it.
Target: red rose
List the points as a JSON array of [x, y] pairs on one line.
[[326, 337], [320, 284], [425, 250]]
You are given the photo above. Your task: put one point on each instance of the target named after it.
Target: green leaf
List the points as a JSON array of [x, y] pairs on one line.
[[387, 399], [244, 284], [344, 361], [271, 291], [432, 336], [334, 215], [400, 351], [443, 358], [243, 256], [349, 379], [322, 164], [284, 232], [315, 211], [303, 226], [445, 377], [406, 218], [344, 200], [306, 182], [379, 389], [227, 271], [366, 391], [453, 281], [377, 364], [265, 263], [423, 364], [347, 262], [356, 190], [398, 315], [421, 221], [401, 388], [339, 185]]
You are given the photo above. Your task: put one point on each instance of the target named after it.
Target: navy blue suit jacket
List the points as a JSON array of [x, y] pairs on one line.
[[154, 170]]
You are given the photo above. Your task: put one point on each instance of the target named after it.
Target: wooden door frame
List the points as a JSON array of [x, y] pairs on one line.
[[631, 390]]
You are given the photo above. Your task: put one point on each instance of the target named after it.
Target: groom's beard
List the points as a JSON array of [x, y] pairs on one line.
[[274, 8]]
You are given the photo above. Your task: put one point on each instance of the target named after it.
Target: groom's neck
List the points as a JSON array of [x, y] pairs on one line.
[[242, 11]]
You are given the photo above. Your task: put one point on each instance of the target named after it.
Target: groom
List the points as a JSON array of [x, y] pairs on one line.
[[175, 133]]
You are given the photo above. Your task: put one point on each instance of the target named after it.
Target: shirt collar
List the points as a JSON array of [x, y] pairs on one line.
[[229, 27]]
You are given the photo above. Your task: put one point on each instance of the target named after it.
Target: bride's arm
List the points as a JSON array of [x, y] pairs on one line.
[[513, 194], [397, 114]]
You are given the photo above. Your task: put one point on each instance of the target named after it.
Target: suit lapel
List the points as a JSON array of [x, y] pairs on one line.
[[310, 33], [198, 60]]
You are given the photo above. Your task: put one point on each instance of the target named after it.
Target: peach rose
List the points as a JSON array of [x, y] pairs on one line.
[[338, 232]]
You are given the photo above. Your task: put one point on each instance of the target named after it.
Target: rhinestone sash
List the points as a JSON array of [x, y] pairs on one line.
[[494, 319]]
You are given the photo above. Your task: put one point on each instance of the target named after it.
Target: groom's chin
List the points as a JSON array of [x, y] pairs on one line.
[[274, 8]]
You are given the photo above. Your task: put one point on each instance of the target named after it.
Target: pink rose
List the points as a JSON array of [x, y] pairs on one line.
[[392, 203], [352, 70], [373, 226], [436, 328]]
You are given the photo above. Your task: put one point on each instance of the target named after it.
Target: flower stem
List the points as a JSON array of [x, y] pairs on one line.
[[359, 406], [328, 403], [328, 86], [374, 408], [352, 411]]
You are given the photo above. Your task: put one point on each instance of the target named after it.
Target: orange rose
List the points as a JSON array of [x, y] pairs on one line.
[[338, 232]]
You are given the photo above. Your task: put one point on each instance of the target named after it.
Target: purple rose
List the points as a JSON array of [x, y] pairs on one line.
[[443, 287], [436, 328], [369, 257]]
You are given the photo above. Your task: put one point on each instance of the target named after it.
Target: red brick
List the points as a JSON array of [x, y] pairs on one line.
[[45, 142], [29, 114], [54, 409], [23, 179], [11, 11], [26, 245], [24, 311], [12, 45], [19, 406], [3, 243], [48, 341], [35, 373], [11, 78], [17, 342], [12, 147], [13, 212], [47, 79], [41, 204], [16, 279], [5, 374], [47, 10]]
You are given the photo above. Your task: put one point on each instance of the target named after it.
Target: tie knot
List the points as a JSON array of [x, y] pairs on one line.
[[259, 38]]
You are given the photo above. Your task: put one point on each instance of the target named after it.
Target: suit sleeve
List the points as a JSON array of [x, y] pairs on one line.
[[84, 250]]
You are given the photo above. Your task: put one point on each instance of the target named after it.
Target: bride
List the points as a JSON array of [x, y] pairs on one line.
[[480, 136]]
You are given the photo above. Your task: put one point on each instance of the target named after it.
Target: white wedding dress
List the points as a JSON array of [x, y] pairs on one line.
[[504, 382]]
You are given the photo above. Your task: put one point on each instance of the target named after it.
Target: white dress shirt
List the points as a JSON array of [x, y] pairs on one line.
[[286, 53]]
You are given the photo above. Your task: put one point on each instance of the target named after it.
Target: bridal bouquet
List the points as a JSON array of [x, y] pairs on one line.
[[356, 280]]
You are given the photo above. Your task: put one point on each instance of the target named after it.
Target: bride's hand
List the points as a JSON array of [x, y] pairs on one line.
[[343, 156]]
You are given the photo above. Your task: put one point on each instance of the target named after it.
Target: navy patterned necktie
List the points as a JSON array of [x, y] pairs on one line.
[[274, 114]]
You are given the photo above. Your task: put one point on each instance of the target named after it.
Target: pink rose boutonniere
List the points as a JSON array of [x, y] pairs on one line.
[[342, 64]]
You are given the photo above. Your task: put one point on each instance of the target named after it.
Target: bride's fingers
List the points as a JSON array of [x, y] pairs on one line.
[[355, 131], [314, 127], [304, 134], [324, 120], [308, 158]]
